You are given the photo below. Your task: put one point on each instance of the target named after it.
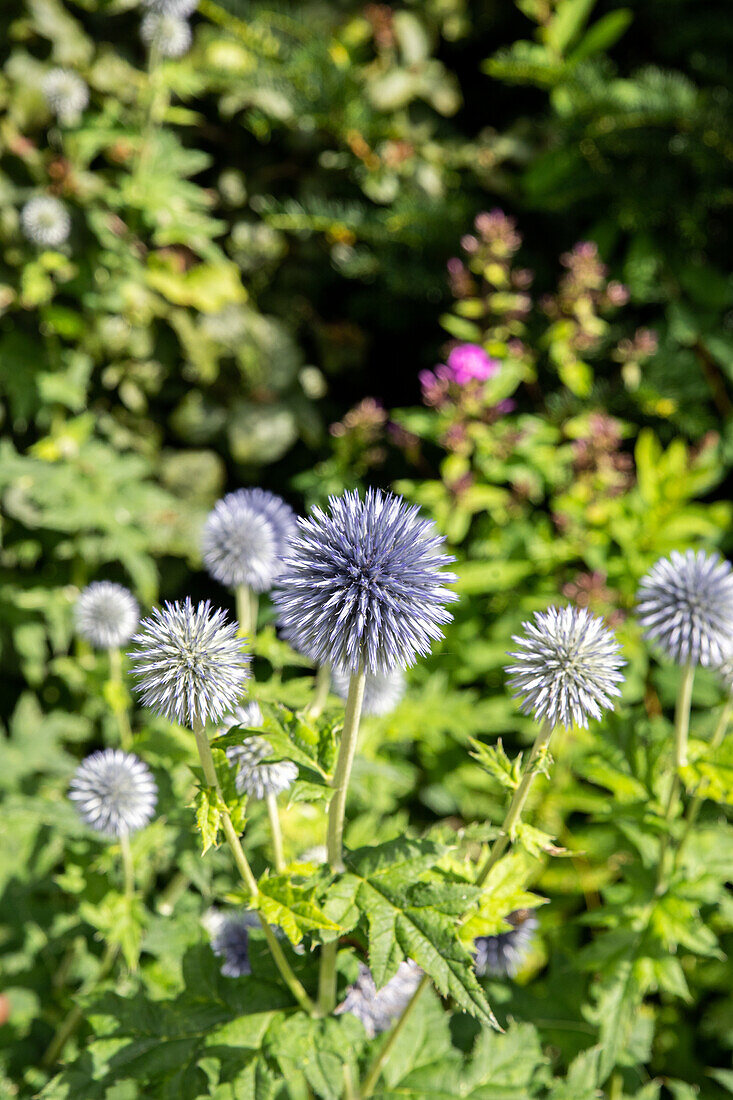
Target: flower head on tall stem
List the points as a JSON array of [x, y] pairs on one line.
[[45, 222], [106, 614], [363, 585], [245, 538], [377, 1008], [114, 792], [230, 940], [502, 955], [382, 690], [168, 34], [66, 94], [254, 777], [685, 605], [189, 663], [566, 667], [181, 9]]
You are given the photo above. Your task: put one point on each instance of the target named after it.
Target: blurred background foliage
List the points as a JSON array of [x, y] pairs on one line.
[[275, 239]]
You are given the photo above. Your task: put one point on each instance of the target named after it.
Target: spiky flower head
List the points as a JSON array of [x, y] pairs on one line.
[[189, 663], [253, 777], [181, 9], [685, 605], [66, 94], [230, 940], [382, 690], [106, 614], [245, 538], [45, 221], [258, 779], [169, 35], [503, 955], [567, 667], [363, 584], [114, 792], [377, 1008]]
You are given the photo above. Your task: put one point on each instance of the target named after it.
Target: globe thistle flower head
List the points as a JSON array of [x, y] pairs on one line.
[[106, 614], [382, 690], [230, 940], [685, 606], [167, 34], [245, 537], [65, 93], [45, 222], [181, 9], [256, 778], [248, 716], [566, 667], [504, 954], [377, 1008], [189, 663], [114, 792], [363, 586]]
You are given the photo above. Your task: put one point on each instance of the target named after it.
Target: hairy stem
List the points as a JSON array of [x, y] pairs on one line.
[[127, 865], [681, 729], [76, 1014], [516, 806], [322, 688], [243, 595], [375, 1070], [336, 813], [277, 837], [119, 708], [245, 871], [715, 742]]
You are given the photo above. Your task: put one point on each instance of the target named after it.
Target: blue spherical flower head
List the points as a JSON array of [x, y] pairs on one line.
[[106, 614], [245, 538], [377, 1008], [566, 667], [230, 940], [382, 690], [363, 585], [685, 605], [189, 663], [114, 792], [504, 954]]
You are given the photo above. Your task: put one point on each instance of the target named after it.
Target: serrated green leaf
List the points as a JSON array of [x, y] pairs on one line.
[[291, 907], [209, 808], [495, 761], [382, 881]]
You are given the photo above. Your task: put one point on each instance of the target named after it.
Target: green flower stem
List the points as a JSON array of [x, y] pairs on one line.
[[120, 710], [682, 715], [127, 865], [516, 806], [175, 889], [277, 837], [336, 813], [247, 604], [347, 752], [245, 871], [375, 1070], [715, 742], [681, 730], [76, 1015], [322, 688]]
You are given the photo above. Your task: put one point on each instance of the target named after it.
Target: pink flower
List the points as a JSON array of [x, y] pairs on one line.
[[468, 362]]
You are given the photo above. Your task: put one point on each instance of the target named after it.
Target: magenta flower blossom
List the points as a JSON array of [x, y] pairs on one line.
[[468, 362]]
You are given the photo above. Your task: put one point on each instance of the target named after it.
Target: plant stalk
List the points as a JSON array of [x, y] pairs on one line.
[[127, 865], [247, 603], [245, 871], [336, 813], [375, 1070], [715, 742], [76, 1014], [120, 711], [277, 836], [516, 806], [681, 730], [322, 688]]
